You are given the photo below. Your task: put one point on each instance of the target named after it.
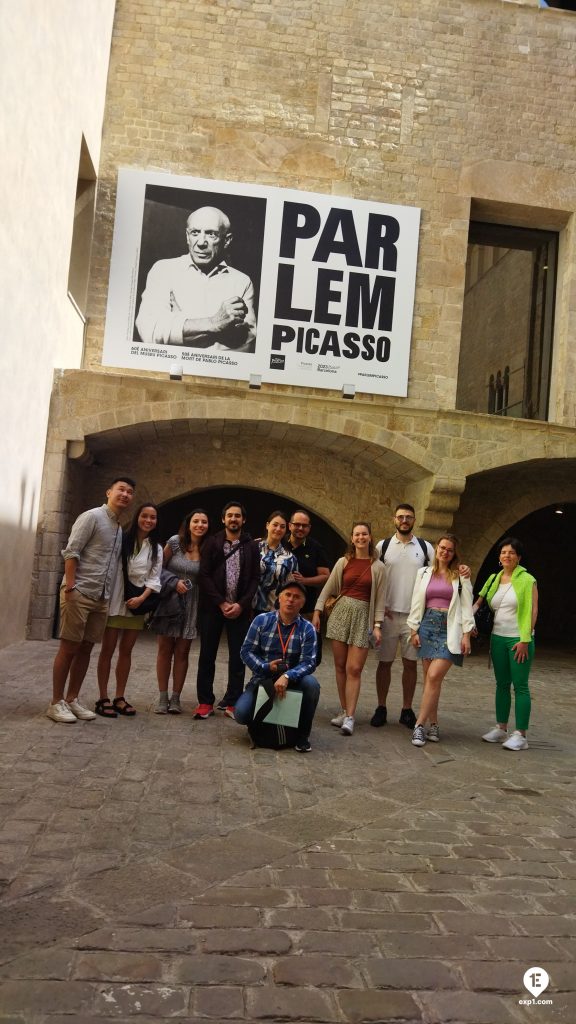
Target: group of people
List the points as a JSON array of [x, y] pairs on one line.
[[270, 596]]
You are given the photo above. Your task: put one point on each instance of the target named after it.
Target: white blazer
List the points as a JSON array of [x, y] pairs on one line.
[[460, 617]]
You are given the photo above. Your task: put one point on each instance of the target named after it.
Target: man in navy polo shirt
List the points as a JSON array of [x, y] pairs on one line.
[[313, 564]]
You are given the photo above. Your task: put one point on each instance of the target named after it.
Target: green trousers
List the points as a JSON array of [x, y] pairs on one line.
[[510, 672]]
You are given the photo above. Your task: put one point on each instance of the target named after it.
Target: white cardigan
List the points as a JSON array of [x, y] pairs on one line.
[[460, 617], [143, 571]]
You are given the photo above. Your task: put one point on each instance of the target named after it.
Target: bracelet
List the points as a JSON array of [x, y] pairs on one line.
[[68, 590]]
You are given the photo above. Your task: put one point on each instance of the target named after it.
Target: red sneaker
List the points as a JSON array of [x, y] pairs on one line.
[[203, 711], [229, 711]]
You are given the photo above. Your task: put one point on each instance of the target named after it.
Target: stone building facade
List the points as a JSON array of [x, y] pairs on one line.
[[464, 109]]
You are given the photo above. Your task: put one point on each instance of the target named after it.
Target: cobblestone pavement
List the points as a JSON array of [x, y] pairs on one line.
[[157, 868]]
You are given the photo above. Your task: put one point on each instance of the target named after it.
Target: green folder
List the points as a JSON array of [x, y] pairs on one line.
[[284, 712]]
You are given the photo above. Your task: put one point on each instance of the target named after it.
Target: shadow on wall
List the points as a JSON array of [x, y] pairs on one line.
[[548, 536], [16, 566]]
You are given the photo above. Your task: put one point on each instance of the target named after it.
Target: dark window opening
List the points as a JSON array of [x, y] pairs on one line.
[[507, 322]]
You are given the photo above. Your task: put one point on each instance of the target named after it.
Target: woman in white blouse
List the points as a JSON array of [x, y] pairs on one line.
[[144, 563]]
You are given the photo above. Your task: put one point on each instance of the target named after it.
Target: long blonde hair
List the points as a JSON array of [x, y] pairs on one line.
[[453, 566]]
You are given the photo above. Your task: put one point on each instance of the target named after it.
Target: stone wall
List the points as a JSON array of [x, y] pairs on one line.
[[405, 102], [464, 108]]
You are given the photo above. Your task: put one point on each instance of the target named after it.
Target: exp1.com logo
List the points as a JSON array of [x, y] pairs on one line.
[[536, 980]]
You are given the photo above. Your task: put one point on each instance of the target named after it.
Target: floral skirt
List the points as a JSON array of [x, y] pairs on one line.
[[349, 622], [433, 637]]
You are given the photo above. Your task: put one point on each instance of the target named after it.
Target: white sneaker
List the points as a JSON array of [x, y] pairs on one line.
[[60, 712], [347, 725], [338, 719], [79, 711], [495, 735], [516, 742]]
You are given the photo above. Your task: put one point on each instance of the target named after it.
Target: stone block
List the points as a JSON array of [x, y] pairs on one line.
[[159, 1001], [408, 974], [211, 969], [33, 997], [222, 1003], [125, 967], [317, 972], [303, 1004], [464, 1007], [245, 940], [218, 916], [135, 939], [378, 1006]]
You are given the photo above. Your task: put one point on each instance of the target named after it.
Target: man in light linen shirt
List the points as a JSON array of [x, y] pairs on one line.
[[91, 559], [197, 300]]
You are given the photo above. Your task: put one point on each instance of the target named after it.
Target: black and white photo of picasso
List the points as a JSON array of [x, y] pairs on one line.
[[207, 297]]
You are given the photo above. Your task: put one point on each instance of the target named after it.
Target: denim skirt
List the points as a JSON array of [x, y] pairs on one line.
[[433, 637]]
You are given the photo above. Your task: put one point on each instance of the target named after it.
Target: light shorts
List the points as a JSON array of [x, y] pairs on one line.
[[81, 618], [396, 631]]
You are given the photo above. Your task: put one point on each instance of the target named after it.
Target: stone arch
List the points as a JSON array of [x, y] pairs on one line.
[[335, 430], [493, 501]]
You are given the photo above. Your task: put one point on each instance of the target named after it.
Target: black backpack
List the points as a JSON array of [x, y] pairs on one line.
[[421, 542], [264, 734]]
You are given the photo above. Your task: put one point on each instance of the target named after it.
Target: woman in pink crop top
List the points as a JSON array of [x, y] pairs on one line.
[[441, 621]]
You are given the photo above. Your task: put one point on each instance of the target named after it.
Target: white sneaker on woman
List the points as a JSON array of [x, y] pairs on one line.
[[516, 742], [60, 712], [347, 726], [79, 711], [495, 735], [338, 719]]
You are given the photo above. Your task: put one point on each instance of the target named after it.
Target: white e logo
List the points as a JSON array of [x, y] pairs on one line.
[[536, 980]]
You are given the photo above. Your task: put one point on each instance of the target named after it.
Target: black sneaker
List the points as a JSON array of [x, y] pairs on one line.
[[379, 717], [222, 704], [303, 746], [407, 718]]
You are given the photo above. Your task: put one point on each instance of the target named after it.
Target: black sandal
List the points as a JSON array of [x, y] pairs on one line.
[[105, 708], [127, 709]]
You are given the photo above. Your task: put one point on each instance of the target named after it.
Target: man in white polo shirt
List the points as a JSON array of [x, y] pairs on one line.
[[403, 555]]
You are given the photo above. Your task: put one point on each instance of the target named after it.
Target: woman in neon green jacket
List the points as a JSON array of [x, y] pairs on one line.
[[513, 597]]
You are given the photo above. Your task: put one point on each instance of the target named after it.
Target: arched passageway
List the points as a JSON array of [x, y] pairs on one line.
[[258, 504], [548, 537]]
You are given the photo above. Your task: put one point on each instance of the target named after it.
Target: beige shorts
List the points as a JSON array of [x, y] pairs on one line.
[[82, 618], [396, 631]]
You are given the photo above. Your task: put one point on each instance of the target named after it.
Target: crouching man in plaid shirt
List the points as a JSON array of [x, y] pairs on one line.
[[282, 645]]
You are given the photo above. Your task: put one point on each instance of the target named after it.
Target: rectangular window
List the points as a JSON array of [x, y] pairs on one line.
[[507, 322]]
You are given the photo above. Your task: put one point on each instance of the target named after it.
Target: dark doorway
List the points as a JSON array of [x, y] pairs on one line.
[[548, 536], [258, 505]]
